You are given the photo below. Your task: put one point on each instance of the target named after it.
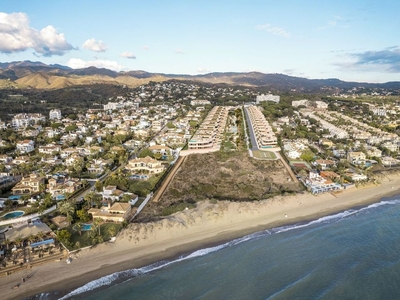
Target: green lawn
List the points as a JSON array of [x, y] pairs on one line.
[[88, 238], [264, 154]]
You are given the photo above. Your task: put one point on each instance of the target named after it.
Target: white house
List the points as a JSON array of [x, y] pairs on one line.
[[26, 146], [269, 97], [55, 114]]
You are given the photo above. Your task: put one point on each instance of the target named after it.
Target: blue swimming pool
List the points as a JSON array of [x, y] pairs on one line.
[[13, 214], [86, 227]]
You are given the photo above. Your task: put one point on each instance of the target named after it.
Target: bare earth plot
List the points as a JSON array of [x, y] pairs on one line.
[[223, 176]]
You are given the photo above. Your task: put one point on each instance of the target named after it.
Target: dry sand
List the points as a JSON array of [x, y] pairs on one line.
[[208, 224]]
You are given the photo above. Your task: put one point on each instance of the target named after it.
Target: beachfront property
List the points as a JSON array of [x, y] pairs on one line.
[[117, 212], [263, 132], [28, 185], [209, 134], [318, 184], [146, 164]]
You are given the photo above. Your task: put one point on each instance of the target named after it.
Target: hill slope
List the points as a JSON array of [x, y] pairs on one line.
[[38, 75]]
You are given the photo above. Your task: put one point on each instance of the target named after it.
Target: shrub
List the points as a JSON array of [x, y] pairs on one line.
[[176, 207]]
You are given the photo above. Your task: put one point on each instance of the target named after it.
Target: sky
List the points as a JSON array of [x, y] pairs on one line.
[[355, 40]]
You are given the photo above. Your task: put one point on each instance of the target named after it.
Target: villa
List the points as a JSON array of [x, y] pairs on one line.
[[61, 185], [148, 164], [26, 146], [28, 185], [118, 212]]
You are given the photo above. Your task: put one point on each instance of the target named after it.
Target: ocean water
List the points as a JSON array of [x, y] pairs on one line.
[[351, 255]]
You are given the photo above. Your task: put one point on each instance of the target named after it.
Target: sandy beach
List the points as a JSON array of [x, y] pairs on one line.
[[209, 224]]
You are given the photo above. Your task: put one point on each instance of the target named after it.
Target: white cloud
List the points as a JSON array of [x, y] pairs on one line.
[[274, 30], [336, 22], [179, 51], [16, 35], [129, 55], [146, 48], [96, 46], [203, 70], [77, 63]]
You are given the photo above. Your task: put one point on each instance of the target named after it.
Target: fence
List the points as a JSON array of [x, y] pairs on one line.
[[141, 206]]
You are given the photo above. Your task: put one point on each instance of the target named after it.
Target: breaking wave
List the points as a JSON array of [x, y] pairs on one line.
[[128, 274]]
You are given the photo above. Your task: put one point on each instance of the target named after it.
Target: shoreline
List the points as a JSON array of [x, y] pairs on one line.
[[207, 225]]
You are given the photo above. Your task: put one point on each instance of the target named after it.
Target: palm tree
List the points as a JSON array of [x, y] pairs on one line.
[[89, 198], [40, 235], [112, 231], [18, 241], [78, 227], [67, 208], [31, 238], [97, 223]]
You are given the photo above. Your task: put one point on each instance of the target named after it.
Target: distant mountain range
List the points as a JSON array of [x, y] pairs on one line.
[[28, 74]]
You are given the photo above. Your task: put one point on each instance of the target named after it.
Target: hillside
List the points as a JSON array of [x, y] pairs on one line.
[[38, 75]]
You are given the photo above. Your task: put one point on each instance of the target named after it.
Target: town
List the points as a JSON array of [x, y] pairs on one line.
[[72, 181]]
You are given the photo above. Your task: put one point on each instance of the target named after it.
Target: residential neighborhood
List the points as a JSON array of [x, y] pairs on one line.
[[94, 171]]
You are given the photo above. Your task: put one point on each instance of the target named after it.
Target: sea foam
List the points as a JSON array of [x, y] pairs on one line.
[[129, 274]]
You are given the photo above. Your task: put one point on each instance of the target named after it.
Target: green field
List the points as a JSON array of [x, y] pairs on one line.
[[264, 154]]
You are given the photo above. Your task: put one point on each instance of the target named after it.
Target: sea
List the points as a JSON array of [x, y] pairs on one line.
[[354, 254]]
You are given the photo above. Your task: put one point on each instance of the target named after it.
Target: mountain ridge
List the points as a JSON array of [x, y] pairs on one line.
[[29, 74]]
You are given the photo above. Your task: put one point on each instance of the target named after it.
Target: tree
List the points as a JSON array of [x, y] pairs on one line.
[[89, 198], [157, 156], [71, 127], [170, 125], [8, 204], [97, 224], [64, 236], [112, 231], [56, 125], [307, 155], [31, 238], [145, 152], [68, 209], [78, 166], [98, 185], [83, 215], [97, 199], [78, 227]]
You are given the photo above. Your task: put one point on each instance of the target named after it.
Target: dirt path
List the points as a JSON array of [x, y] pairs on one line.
[[169, 178], [287, 167]]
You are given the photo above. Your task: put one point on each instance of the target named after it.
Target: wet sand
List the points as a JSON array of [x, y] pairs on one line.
[[209, 224]]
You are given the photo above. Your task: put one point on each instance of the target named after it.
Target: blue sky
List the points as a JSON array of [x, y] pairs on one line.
[[350, 40]]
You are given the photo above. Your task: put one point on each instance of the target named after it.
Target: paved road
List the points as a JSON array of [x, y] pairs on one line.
[[254, 144]]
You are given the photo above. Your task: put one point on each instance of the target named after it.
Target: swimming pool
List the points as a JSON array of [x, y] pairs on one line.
[[12, 215], [86, 227]]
